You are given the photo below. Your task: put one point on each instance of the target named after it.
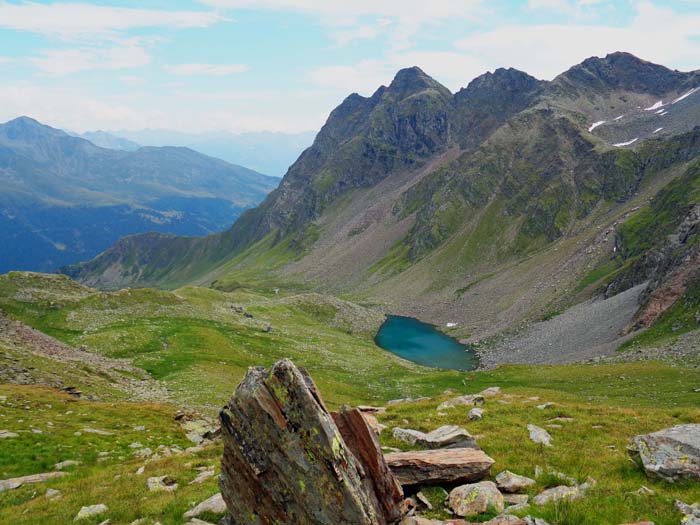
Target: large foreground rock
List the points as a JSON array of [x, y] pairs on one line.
[[285, 460], [455, 465], [671, 454]]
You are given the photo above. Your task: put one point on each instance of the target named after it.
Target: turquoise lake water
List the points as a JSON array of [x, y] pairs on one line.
[[424, 344]]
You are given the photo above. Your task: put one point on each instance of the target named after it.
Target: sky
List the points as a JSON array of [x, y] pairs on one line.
[[283, 65]]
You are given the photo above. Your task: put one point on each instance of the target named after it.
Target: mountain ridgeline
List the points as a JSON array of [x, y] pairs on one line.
[[64, 199], [434, 204]]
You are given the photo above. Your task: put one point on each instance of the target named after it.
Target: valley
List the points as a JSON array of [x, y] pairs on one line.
[[512, 262]]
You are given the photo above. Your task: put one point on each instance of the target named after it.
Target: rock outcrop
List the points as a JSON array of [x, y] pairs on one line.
[[285, 460], [671, 454]]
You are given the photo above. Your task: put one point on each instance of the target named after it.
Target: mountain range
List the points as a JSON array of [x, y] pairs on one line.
[[63, 199], [499, 205], [265, 151]]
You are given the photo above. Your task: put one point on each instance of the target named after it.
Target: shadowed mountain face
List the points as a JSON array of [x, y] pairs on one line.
[[63, 199], [427, 201]]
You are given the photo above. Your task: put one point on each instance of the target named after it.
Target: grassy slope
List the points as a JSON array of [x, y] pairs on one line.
[[199, 342], [110, 479], [209, 345], [593, 444], [609, 404]]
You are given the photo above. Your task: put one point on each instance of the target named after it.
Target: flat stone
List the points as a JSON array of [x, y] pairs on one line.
[[97, 431], [90, 511], [6, 434], [161, 484], [562, 492], [67, 463], [455, 465], [214, 504], [13, 483], [202, 477], [475, 498], [491, 391], [53, 494], [509, 482], [671, 454], [539, 435], [468, 400], [506, 519]]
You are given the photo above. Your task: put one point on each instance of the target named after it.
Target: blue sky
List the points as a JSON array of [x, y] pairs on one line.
[[282, 65]]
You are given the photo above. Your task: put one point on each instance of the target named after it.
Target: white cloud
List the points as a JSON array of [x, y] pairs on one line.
[[217, 70], [67, 61], [409, 15], [82, 19], [656, 34]]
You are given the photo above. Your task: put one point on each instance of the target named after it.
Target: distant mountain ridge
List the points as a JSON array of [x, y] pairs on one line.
[[104, 139], [64, 199], [265, 151], [484, 207]]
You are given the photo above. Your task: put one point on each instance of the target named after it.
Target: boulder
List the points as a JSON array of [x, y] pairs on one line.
[[468, 400], [90, 511], [285, 460], [407, 435], [475, 498], [509, 482], [456, 465], [214, 505], [539, 435], [671, 454], [691, 513]]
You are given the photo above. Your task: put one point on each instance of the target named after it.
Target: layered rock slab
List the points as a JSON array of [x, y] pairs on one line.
[[285, 461], [456, 465]]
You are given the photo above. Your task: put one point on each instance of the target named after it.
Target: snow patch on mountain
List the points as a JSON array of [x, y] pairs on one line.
[[629, 142], [596, 124], [655, 106], [686, 95]]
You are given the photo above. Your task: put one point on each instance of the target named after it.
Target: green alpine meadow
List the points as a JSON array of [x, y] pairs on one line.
[[349, 263]]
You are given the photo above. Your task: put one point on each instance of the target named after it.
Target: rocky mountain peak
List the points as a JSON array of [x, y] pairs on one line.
[[623, 71], [502, 82], [26, 128], [413, 80]]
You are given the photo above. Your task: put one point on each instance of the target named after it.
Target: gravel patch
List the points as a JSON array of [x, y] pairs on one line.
[[586, 331]]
